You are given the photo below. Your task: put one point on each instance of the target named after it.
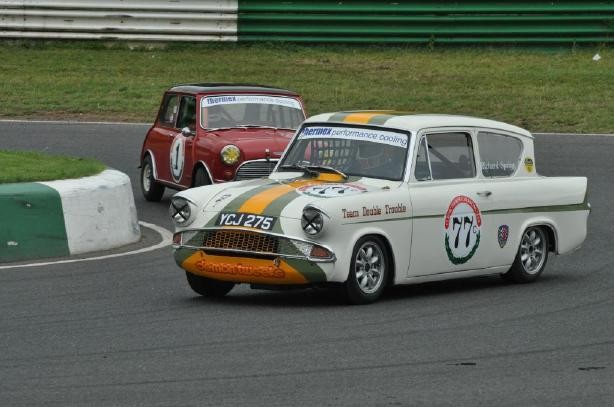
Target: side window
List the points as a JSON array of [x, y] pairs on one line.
[[499, 154], [422, 172], [451, 155], [168, 115], [187, 113]]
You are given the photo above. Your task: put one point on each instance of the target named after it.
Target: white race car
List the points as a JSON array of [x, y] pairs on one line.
[[371, 199]]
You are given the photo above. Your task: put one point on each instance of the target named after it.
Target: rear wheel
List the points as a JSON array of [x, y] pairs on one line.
[[201, 178], [531, 258], [152, 191], [208, 287], [368, 271]]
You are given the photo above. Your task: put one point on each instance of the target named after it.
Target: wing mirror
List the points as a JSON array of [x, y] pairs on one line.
[[187, 132]]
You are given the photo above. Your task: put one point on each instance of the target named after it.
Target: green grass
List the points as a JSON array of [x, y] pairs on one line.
[[541, 90], [18, 166]]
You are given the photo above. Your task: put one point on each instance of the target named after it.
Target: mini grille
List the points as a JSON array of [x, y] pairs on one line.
[[255, 169], [240, 240]]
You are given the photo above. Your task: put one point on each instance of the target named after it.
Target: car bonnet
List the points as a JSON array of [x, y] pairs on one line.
[[285, 198]]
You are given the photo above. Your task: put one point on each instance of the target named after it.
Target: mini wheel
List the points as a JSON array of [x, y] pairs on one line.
[[152, 190], [368, 271], [531, 258], [208, 287]]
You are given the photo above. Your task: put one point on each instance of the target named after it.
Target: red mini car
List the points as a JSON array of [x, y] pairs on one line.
[[215, 132]]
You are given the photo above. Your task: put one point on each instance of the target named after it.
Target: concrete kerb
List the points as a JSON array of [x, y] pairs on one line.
[[60, 218]]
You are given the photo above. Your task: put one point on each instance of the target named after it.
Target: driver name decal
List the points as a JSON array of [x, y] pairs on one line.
[[462, 225]]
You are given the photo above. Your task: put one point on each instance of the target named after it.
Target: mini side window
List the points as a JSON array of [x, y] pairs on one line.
[[499, 154], [187, 113], [450, 155], [168, 115]]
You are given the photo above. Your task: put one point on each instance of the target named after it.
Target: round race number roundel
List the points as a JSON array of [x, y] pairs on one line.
[[462, 229], [177, 157]]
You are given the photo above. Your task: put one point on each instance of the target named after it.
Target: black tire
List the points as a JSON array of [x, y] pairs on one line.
[[531, 258], [208, 287], [369, 270], [152, 190], [200, 178]]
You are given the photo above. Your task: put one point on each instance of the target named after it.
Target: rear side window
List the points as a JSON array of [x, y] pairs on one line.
[[450, 156], [170, 107], [500, 155]]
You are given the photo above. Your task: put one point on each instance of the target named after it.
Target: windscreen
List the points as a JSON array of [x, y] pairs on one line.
[[355, 151], [228, 111]]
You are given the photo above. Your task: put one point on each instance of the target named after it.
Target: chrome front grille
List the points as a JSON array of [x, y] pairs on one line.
[[255, 169]]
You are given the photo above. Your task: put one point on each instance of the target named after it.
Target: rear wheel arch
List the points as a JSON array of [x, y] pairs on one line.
[[551, 233]]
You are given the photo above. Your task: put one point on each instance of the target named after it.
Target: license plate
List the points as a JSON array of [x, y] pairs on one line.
[[247, 220]]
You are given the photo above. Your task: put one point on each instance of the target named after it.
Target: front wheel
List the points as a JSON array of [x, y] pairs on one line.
[[531, 258], [208, 287], [152, 191], [368, 271]]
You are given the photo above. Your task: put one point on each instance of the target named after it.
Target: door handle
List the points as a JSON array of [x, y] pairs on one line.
[[485, 194]]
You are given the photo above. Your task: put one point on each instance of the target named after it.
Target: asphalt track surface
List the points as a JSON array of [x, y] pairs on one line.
[[129, 331]]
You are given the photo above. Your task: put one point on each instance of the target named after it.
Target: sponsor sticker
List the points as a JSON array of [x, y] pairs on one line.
[[331, 190], [177, 157], [247, 220], [528, 164], [249, 99], [462, 226], [247, 270], [354, 133], [502, 235]]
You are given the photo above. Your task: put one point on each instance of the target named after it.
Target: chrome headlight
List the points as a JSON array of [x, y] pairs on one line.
[[230, 154], [312, 221], [180, 211]]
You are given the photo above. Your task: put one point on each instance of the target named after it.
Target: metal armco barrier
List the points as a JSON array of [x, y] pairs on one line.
[[152, 20], [468, 22], [350, 21]]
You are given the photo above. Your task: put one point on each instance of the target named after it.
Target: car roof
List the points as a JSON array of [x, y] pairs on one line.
[[413, 122], [216, 87]]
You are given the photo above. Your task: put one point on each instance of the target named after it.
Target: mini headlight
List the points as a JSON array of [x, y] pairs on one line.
[[180, 211], [312, 221], [230, 154]]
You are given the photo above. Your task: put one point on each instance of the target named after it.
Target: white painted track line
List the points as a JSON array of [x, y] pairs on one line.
[[167, 238]]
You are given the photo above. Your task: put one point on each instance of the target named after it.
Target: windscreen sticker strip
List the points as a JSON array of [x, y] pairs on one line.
[[353, 133], [249, 99]]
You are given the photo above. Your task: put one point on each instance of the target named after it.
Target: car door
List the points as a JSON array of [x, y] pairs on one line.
[[505, 191], [162, 135], [447, 199], [181, 152]]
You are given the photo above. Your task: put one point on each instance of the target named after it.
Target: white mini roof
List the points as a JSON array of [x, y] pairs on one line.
[[414, 122]]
